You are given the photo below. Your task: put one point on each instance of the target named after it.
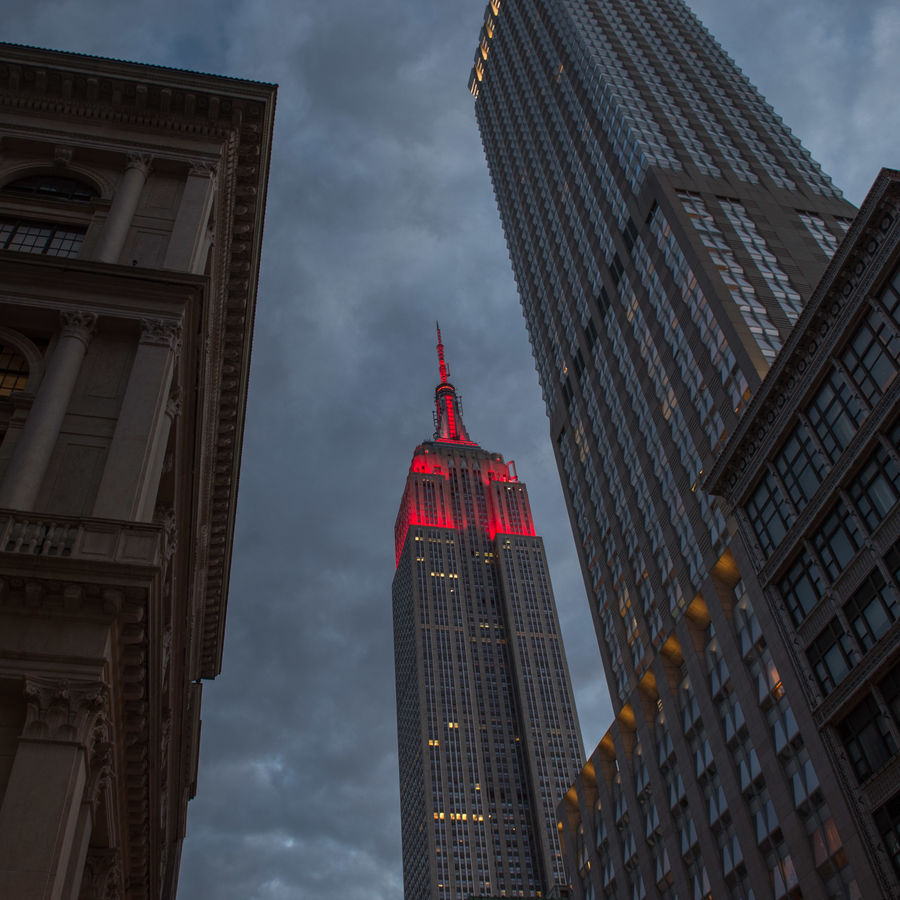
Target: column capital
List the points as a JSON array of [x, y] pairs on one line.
[[78, 324], [164, 332], [141, 161], [202, 169], [63, 711], [102, 879]]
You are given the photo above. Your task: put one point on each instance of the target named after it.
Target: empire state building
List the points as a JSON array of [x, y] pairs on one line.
[[488, 735]]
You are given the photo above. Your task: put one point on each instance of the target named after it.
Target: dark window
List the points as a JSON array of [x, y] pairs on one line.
[[870, 356], [13, 370], [872, 609], [801, 587], [41, 237], [892, 561], [56, 186], [887, 821], [801, 465], [837, 540], [876, 488], [867, 737], [769, 514], [832, 655], [890, 690], [835, 414], [890, 298]]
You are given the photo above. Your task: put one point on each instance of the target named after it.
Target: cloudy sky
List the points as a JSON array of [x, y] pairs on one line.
[[380, 220]]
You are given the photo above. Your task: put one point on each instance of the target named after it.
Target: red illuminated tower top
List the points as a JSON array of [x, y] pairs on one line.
[[448, 422]]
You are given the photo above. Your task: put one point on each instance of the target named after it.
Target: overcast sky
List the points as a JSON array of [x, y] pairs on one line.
[[381, 219]]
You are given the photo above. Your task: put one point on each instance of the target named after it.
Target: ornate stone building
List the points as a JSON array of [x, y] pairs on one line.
[[813, 474], [131, 212]]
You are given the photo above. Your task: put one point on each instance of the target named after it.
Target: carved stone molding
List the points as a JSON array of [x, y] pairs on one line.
[[102, 879], [63, 711], [200, 168], [163, 332], [100, 766], [175, 403], [140, 161], [62, 156], [78, 324]]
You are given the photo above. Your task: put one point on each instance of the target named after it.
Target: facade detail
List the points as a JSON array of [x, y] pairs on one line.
[[666, 231], [488, 735], [127, 296], [813, 473]]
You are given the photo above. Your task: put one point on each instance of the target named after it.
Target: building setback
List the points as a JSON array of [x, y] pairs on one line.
[[488, 735], [131, 211], [666, 230]]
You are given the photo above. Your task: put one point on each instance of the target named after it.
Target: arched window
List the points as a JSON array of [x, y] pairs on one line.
[[13, 370], [59, 187]]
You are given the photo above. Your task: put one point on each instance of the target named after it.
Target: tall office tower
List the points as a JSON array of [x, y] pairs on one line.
[[488, 735], [665, 229]]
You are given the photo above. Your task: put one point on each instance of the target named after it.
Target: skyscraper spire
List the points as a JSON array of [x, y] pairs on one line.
[[448, 422]]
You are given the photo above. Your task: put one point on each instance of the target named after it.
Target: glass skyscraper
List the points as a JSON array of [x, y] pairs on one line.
[[665, 230], [487, 730]]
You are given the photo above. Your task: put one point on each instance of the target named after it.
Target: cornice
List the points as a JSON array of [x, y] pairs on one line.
[[866, 249], [239, 116]]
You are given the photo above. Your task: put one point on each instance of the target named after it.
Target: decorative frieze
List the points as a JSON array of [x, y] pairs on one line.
[[59, 710], [162, 332]]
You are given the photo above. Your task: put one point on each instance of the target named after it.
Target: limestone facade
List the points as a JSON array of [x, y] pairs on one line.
[[131, 211]]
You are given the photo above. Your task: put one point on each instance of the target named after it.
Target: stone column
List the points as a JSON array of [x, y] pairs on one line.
[[124, 205], [189, 240], [32, 452], [42, 807], [134, 464]]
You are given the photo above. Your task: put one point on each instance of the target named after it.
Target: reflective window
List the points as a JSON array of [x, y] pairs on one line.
[[887, 820], [769, 514], [801, 587], [832, 655], [872, 609], [41, 237], [876, 488], [835, 414], [837, 540], [867, 738], [59, 187], [871, 356], [800, 464], [13, 370]]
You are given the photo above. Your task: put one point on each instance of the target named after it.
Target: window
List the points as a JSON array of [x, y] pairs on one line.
[[45, 238], [876, 488], [872, 609], [60, 187], [769, 514], [832, 655], [800, 465], [868, 739], [13, 370], [835, 414], [801, 587], [887, 820], [837, 540], [870, 356]]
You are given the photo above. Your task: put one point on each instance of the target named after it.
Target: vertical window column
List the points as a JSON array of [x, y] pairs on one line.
[[32, 452], [133, 467], [124, 205], [43, 817], [190, 241]]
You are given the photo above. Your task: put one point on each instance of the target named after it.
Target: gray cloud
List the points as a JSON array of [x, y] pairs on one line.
[[380, 219]]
